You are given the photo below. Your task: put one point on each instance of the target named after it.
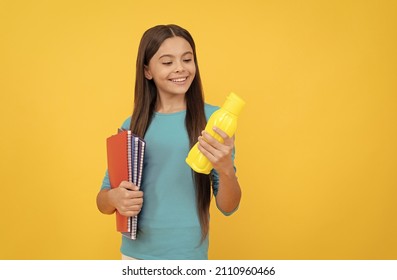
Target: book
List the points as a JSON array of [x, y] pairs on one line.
[[125, 155]]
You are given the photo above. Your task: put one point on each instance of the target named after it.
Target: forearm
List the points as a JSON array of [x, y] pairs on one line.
[[229, 192], [221, 157], [104, 203]]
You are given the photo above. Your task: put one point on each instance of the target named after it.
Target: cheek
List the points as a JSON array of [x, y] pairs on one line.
[[159, 74], [192, 70]]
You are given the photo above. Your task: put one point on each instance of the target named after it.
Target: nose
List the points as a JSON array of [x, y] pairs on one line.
[[179, 67]]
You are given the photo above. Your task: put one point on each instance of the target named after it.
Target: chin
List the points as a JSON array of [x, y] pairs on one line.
[[181, 90]]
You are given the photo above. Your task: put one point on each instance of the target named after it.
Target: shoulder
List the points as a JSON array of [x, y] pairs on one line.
[[126, 124], [209, 109]]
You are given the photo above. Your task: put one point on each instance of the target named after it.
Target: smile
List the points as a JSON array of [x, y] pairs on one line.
[[179, 80]]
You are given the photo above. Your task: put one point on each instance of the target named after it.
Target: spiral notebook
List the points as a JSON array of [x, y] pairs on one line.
[[125, 154]]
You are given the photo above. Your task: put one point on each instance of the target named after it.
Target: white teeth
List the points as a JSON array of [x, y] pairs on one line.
[[179, 80]]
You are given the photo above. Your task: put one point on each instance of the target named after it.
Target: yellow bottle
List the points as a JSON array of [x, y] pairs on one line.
[[224, 118]]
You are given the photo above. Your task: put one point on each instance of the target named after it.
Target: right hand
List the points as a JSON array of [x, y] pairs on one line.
[[127, 199]]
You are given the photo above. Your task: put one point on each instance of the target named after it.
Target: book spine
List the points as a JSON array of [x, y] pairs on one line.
[[129, 156], [129, 222], [136, 152], [141, 156]]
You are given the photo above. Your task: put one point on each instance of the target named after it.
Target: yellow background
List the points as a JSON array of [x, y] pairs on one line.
[[316, 143]]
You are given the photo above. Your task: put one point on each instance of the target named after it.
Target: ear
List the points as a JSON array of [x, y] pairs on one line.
[[148, 75]]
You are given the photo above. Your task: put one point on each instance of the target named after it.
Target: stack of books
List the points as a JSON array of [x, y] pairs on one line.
[[125, 154]]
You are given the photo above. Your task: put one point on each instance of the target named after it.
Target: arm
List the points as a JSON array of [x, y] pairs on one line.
[[220, 156], [127, 199]]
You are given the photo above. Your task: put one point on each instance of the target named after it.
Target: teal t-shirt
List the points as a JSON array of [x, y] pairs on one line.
[[168, 224]]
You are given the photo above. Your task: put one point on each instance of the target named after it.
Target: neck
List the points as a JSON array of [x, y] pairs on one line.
[[170, 104]]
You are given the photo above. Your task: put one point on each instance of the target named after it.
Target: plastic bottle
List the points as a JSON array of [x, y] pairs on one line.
[[225, 118]]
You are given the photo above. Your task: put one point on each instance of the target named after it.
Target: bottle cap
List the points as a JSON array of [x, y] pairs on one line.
[[233, 104]]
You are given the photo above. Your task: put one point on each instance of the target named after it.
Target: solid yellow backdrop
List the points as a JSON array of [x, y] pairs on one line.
[[316, 142]]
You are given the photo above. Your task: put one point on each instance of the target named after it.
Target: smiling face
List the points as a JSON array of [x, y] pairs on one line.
[[172, 68]]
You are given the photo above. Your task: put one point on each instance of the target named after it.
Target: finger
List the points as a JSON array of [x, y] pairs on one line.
[[214, 153], [220, 132], [211, 140], [130, 213], [128, 185], [132, 204], [138, 202], [226, 139], [136, 194], [216, 148], [206, 145], [206, 149], [133, 194]]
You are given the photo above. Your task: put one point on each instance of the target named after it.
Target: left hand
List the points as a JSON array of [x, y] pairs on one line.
[[219, 154]]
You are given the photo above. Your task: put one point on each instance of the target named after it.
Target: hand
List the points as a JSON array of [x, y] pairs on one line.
[[219, 154], [127, 199]]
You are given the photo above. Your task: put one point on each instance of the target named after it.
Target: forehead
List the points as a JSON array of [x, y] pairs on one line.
[[174, 46]]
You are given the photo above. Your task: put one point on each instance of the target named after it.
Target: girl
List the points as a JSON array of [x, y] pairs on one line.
[[170, 114]]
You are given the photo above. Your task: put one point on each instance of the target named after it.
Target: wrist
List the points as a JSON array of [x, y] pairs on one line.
[[110, 200], [227, 173]]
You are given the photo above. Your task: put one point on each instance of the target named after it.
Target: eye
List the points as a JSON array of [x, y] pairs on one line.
[[167, 62], [187, 60]]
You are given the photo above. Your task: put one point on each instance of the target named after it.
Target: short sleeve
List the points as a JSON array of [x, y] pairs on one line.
[[105, 181], [126, 124]]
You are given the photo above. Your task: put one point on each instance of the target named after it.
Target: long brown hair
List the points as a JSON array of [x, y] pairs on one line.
[[145, 100]]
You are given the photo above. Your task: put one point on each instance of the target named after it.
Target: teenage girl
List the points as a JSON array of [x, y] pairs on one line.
[[170, 114]]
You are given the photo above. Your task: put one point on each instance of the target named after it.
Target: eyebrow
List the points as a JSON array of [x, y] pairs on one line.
[[170, 55]]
